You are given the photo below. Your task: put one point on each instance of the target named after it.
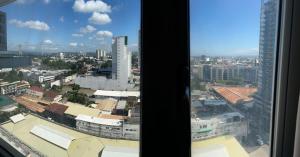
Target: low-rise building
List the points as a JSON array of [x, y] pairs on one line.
[[232, 123], [112, 128], [17, 87]]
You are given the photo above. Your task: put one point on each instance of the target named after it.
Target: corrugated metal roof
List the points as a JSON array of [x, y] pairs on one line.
[[110, 151], [102, 121], [17, 118], [117, 93], [58, 138]]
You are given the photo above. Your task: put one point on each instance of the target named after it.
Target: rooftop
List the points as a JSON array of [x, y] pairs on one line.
[[96, 120], [50, 95], [235, 95], [37, 89], [29, 104], [221, 146], [117, 93], [82, 145], [57, 108], [106, 104], [75, 109]]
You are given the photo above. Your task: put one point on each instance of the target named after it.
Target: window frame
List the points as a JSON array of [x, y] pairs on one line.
[[286, 87]]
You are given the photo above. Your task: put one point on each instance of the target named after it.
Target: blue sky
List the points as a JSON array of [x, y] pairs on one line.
[[225, 27], [218, 27], [68, 25]]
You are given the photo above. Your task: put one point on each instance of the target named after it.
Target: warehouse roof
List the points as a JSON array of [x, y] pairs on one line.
[[82, 145], [235, 94], [53, 136]]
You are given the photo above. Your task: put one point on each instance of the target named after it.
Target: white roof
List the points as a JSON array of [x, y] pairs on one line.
[[117, 93], [102, 121], [56, 137], [17, 118], [121, 105], [110, 151]]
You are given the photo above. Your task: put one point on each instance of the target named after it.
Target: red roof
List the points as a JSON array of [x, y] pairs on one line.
[[50, 95], [37, 89], [57, 108], [235, 94]]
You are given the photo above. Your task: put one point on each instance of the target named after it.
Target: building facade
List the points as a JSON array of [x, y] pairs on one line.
[[121, 60], [261, 121]]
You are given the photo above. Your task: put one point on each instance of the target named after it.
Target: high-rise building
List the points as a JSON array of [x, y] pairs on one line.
[[100, 54], [3, 35], [267, 51], [140, 50], [121, 60]]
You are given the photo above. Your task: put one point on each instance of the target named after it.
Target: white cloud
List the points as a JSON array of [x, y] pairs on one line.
[[75, 21], [91, 38], [91, 6], [73, 44], [99, 18], [37, 25], [104, 34], [62, 19], [46, 1], [77, 35], [47, 41], [81, 44], [87, 29]]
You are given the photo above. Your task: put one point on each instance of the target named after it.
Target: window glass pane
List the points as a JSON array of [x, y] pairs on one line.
[[69, 77], [233, 54]]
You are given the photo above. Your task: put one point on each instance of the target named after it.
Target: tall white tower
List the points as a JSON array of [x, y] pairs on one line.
[[121, 60]]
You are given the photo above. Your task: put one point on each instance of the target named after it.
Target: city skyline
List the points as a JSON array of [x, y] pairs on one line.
[[90, 28]]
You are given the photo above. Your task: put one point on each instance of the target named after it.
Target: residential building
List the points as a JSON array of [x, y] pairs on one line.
[[100, 54], [120, 60], [17, 87]]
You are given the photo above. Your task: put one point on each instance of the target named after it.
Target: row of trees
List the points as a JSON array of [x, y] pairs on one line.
[[11, 76]]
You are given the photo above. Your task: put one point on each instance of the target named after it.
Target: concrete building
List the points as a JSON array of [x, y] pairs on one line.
[[100, 54], [17, 87], [121, 60], [131, 131], [226, 124], [100, 126], [261, 121], [61, 55]]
